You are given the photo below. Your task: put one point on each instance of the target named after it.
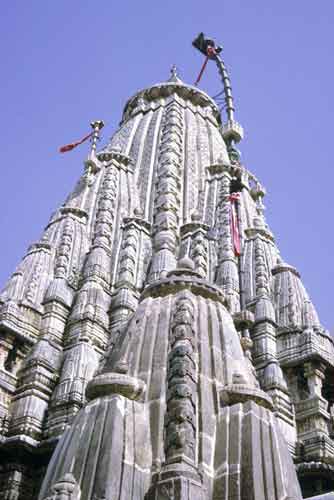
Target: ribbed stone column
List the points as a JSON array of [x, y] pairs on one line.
[[265, 343], [179, 476], [195, 244], [89, 321], [131, 271], [168, 195], [227, 276], [180, 424], [39, 373]]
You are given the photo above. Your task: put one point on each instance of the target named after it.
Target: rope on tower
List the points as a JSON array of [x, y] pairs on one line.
[[219, 95], [210, 52], [234, 199]]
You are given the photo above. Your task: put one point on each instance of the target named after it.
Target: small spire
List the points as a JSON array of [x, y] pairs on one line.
[[90, 165], [96, 125], [174, 78]]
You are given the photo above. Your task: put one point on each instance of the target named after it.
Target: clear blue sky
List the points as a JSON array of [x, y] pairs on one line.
[[66, 62]]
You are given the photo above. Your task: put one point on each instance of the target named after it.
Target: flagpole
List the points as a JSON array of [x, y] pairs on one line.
[[91, 166], [96, 125]]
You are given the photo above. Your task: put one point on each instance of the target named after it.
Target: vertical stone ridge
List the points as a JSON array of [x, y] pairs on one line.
[[106, 205], [195, 244], [133, 260], [38, 274], [253, 463], [180, 425], [191, 187], [168, 193], [149, 157], [179, 475], [265, 345], [199, 250], [38, 374], [227, 275], [88, 323], [62, 261]]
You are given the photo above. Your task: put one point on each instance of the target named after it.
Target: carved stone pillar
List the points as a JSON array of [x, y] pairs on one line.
[[6, 345], [292, 381], [264, 330], [312, 416], [264, 337], [133, 261], [227, 275], [16, 482], [167, 199], [194, 243], [315, 375], [179, 475], [180, 424], [331, 421]]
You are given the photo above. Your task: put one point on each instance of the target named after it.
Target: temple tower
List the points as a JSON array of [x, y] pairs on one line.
[[153, 342]]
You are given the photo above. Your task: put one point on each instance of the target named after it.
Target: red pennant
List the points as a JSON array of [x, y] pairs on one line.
[[234, 198], [69, 147]]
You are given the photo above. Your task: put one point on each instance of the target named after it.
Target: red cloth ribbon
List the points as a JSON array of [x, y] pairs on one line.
[[69, 147], [234, 198], [210, 51]]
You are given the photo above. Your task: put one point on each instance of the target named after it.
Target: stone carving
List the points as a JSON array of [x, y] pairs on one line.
[[227, 270], [63, 252], [180, 425], [167, 200], [105, 213]]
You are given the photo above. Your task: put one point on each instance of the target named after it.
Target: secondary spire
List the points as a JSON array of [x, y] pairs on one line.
[[96, 125]]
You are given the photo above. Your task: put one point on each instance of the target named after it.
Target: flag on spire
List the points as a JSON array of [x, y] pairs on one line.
[[234, 198], [72, 145]]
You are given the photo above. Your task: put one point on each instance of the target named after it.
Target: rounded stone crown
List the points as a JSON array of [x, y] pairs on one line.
[[164, 89]]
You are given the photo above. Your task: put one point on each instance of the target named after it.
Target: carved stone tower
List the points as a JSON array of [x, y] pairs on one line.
[[153, 342]]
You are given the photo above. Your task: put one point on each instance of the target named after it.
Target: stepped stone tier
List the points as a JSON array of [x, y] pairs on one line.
[[140, 356]]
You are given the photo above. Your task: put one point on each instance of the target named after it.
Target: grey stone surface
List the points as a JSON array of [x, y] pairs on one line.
[[163, 364], [325, 496]]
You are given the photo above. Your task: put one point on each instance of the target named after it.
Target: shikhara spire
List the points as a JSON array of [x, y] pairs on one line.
[[153, 340]]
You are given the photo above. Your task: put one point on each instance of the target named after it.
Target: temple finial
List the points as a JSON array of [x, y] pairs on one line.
[[174, 75]]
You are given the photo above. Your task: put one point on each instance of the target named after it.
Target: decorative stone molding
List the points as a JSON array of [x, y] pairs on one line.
[[115, 383], [183, 281], [240, 393], [232, 130]]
